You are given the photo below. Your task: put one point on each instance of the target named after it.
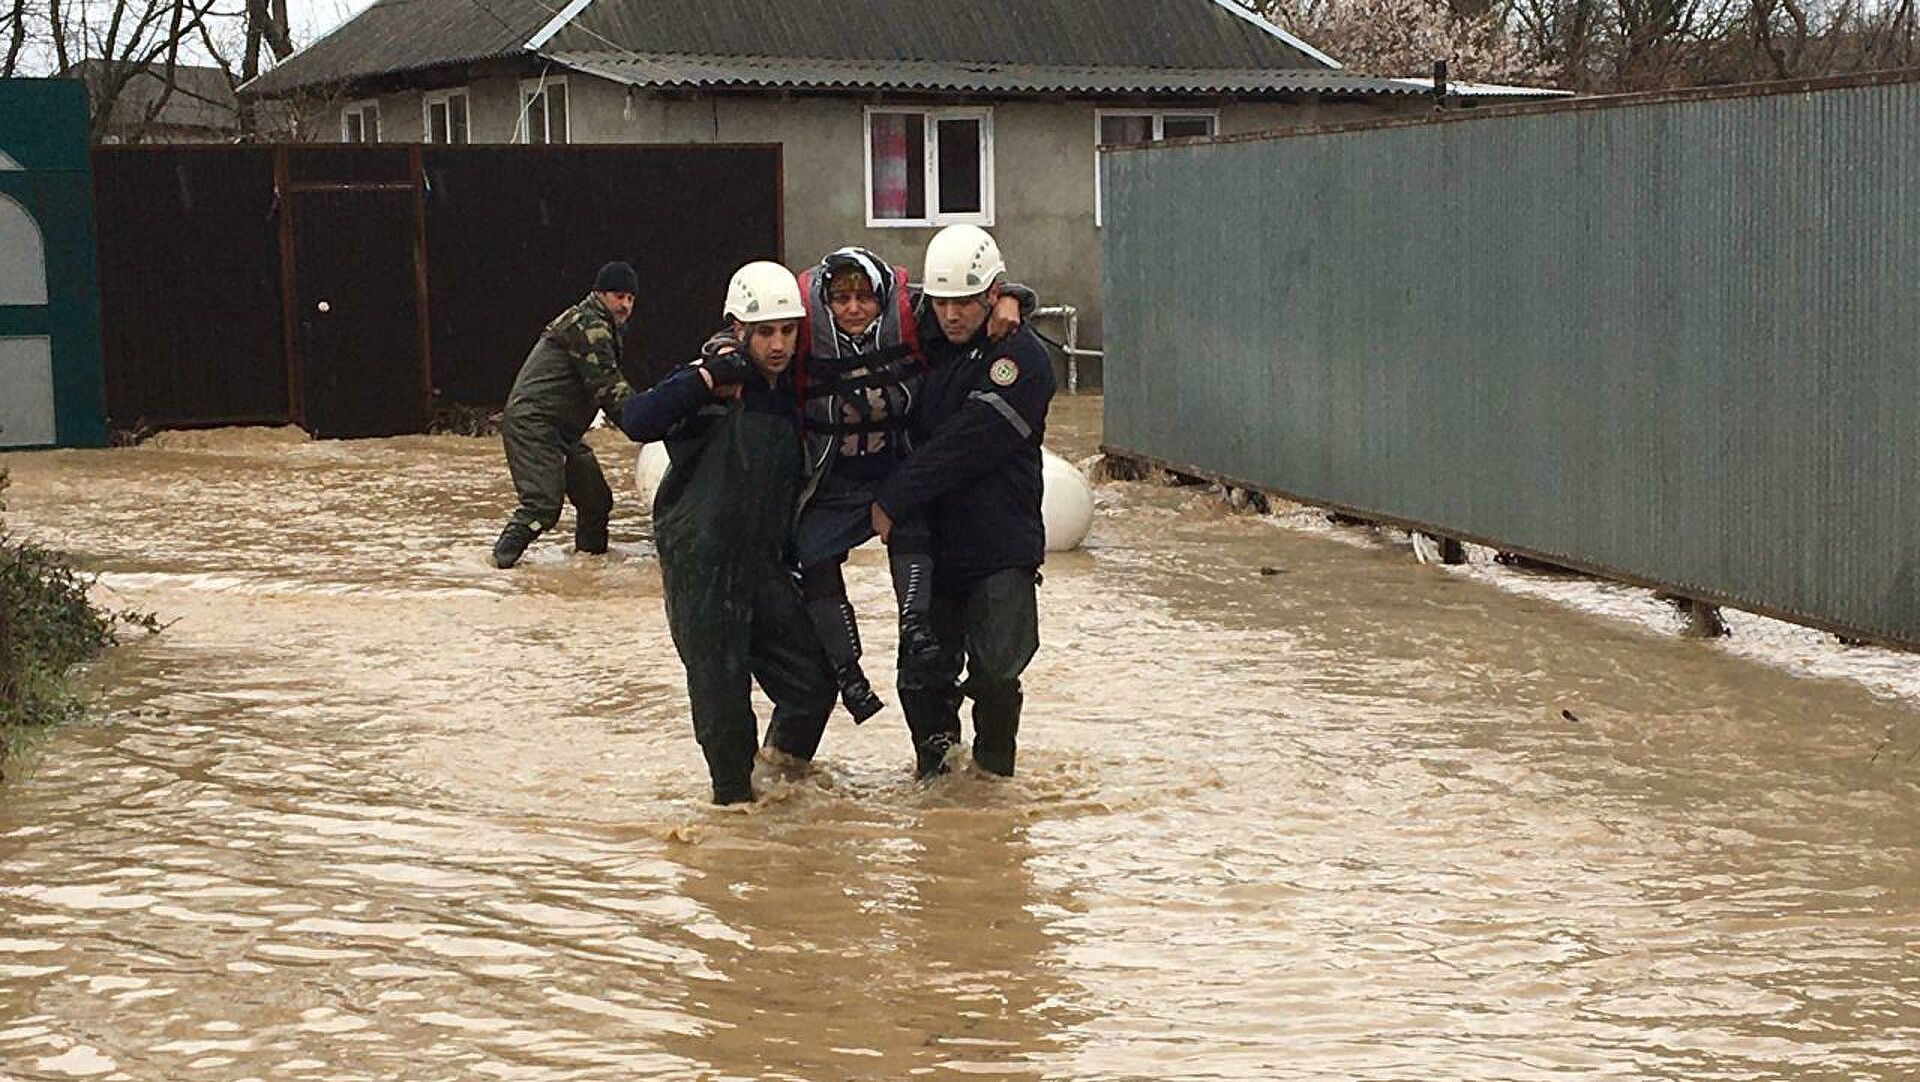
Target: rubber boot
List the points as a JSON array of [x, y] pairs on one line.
[[590, 538], [996, 726], [840, 637], [730, 766], [913, 588], [512, 544], [933, 719]]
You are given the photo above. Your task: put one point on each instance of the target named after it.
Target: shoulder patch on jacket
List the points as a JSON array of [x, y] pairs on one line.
[[1003, 372]]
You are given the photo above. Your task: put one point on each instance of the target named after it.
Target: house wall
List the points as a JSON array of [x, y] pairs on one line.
[[493, 104], [1043, 169], [1043, 165]]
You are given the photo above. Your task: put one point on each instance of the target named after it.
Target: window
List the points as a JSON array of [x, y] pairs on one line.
[[446, 120], [929, 166], [360, 122], [1117, 127], [543, 111]]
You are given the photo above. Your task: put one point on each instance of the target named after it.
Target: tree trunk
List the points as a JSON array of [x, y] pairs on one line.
[[16, 37], [250, 58], [279, 36], [60, 58]]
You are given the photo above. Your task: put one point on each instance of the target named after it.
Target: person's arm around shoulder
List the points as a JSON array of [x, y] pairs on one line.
[[1014, 307], [672, 407]]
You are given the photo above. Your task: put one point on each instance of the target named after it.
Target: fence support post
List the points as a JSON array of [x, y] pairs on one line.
[[1703, 620]]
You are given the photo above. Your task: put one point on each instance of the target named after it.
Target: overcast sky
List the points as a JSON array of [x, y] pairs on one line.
[[312, 18], [309, 19]]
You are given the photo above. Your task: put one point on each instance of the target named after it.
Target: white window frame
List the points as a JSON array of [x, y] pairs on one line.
[[445, 97], [1160, 118], [931, 164], [523, 119], [364, 109]]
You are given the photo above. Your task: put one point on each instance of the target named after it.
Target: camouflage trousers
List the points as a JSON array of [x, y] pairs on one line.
[[547, 469]]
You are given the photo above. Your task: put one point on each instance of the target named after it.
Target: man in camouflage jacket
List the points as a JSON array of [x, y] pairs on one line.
[[572, 374]]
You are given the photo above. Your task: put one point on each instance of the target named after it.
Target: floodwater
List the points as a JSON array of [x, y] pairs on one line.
[[1291, 806]]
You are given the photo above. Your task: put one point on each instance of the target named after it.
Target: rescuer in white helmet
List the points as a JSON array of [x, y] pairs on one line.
[[974, 474], [722, 520]]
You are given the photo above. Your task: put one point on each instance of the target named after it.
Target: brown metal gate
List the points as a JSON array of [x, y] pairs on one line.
[[437, 267], [355, 291], [189, 256]]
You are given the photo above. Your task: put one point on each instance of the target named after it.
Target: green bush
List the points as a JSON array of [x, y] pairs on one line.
[[48, 625]]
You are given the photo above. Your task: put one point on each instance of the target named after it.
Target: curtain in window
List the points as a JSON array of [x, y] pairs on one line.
[[890, 163], [1123, 129]]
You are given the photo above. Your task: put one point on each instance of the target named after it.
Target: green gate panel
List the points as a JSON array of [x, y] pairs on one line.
[[50, 371]]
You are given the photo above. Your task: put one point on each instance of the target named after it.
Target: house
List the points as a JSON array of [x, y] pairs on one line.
[[200, 108], [895, 118]]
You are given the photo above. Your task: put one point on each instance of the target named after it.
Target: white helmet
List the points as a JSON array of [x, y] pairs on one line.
[[762, 292], [962, 260]]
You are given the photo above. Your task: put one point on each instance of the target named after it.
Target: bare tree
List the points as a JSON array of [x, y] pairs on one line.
[[1405, 37], [136, 43], [1610, 45], [135, 55]]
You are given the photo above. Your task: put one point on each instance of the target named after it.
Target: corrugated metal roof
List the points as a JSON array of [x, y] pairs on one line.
[[1074, 33], [1177, 36], [402, 35], [668, 70]]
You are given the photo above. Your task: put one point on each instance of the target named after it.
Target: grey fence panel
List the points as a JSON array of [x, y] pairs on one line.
[[1676, 342]]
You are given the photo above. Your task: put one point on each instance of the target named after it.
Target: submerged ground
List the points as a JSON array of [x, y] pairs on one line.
[[1291, 807]]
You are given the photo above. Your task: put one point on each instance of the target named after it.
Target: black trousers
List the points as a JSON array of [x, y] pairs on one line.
[[839, 517], [991, 629], [733, 627]]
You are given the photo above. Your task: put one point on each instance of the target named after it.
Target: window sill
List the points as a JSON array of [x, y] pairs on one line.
[[930, 223]]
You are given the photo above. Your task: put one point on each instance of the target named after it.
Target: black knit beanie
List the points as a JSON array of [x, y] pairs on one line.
[[616, 278]]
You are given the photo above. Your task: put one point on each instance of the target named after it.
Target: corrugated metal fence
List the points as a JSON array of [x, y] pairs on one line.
[[1673, 340]]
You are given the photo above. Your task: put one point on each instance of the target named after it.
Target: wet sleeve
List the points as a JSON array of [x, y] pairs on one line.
[[668, 408], [595, 350], [998, 419]]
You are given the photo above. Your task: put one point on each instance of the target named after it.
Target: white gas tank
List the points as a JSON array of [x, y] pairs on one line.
[[1066, 502], [648, 470]]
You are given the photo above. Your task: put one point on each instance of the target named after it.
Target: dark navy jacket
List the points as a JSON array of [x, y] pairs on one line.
[[975, 468], [680, 405]]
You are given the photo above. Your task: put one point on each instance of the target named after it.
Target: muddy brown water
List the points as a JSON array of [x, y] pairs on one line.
[[370, 809]]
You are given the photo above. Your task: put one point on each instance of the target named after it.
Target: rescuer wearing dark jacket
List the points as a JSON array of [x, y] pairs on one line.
[[861, 371], [722, 519], [572, 373], [975, 474]]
